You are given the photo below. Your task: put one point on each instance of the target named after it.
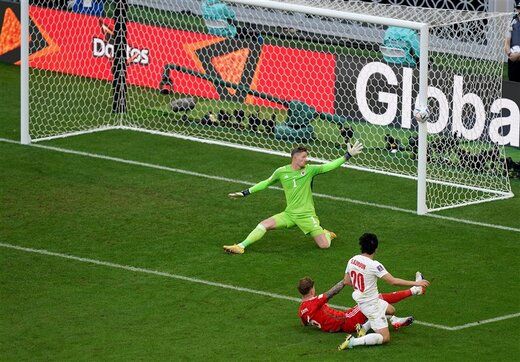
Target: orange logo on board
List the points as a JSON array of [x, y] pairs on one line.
[[10, 32]]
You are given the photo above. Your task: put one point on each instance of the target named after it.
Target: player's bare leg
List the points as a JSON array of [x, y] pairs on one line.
[[255, 235], [269, 224], [323, 240], [397, 322], [390, 310], [385, 333]]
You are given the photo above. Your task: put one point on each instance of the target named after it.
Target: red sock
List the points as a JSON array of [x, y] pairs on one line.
[[396, 296]]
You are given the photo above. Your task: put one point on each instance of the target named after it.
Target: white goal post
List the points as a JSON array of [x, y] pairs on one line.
[[265, 75], [423, 30]]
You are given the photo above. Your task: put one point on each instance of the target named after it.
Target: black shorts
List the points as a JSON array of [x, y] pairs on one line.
[[514, 70]]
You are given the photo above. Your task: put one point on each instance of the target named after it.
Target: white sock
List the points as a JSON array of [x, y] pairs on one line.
[[393, 319], [368, 340], [416, 290]]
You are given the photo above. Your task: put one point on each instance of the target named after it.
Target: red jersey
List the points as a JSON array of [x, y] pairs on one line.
[[316, 312]]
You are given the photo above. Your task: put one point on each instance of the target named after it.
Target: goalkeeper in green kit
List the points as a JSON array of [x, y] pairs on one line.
[[296, 180]]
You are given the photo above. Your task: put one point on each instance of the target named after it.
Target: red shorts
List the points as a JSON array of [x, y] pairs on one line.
[[353, 317]]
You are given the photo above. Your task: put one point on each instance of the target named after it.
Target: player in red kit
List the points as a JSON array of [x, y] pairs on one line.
[[315, 311]]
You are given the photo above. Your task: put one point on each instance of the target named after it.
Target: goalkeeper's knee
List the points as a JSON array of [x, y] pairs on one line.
[[324, 243], [322, 239]]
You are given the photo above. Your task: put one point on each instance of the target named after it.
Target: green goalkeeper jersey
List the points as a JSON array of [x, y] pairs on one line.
[[297, 185]]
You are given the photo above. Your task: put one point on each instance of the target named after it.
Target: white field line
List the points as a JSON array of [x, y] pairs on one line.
[[247, 183], [314, 159], [485, 321], [76, 133], [222, 285]]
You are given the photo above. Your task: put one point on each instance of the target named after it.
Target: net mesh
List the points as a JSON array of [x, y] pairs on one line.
[[463, 143], [270, 79]]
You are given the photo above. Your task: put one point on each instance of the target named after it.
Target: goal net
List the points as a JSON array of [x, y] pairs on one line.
[[268, 76]]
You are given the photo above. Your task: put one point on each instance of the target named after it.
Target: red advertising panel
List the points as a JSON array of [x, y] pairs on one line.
[[297, 74], [81, 45]]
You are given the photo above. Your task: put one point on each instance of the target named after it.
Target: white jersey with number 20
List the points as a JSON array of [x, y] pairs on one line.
[[364, 273]]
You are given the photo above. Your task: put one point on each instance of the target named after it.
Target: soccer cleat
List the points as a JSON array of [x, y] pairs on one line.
[[360, 331], [418, 290], [419, 276], [234, 249], [332, 234], [401, 322], [415, 289], [346, 344]]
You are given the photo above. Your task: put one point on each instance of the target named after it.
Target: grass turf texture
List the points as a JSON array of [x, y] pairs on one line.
[[61, 309]]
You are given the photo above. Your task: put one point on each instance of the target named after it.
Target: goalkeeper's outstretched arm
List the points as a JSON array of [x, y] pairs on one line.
[[262, 185], [352, 151]]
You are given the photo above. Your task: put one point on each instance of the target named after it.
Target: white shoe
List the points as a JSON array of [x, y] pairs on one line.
[[418, 290], [401, 322], [419, 276]]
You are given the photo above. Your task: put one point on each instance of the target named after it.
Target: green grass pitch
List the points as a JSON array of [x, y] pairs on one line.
[[128, 214]]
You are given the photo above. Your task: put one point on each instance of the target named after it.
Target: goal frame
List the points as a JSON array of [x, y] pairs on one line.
[[423, 30]]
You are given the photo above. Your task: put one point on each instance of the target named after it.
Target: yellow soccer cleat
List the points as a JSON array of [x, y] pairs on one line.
[[346, 344], [332, 234], [234, 249], [360, 331]]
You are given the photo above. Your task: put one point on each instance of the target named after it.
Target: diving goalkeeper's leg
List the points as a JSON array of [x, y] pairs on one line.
[[255, 235], [258, 232], [275, 222], [322, 237]]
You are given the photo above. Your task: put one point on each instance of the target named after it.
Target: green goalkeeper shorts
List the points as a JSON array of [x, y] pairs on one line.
[[309, 224]]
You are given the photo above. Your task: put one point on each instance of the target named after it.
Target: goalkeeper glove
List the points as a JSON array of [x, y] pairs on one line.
[[354, 150], [237, 195]]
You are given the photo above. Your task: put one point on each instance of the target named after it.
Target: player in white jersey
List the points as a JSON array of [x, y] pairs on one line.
[[362, 273]]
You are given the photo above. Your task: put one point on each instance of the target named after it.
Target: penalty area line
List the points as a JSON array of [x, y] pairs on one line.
[[485, 321], [221, 285], [247, 183]]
